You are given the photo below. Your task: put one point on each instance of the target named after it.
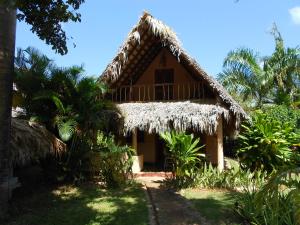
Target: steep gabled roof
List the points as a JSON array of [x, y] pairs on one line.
[[143, 43]]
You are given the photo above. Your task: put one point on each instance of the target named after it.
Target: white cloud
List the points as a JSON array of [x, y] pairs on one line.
[[295, 14]]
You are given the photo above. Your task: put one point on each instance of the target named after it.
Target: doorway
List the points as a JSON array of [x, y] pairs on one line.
[[160, 149]]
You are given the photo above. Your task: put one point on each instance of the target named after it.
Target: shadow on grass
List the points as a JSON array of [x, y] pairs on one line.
[[83, 205], [216, 206]]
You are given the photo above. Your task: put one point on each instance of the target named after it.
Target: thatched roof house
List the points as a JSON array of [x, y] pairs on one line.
[[31, 141], [159, 87]]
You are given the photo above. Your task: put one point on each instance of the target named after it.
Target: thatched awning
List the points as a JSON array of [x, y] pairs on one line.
[[31, 141], [155, 117]]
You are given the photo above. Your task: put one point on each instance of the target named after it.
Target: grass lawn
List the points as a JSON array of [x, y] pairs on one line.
[[215, 205], [84, 205]]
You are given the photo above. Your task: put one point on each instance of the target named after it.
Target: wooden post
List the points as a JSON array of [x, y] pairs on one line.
[[134, 140], [214, 147]]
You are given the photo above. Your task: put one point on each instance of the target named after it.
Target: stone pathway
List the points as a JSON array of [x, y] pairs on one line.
[[168, 207]]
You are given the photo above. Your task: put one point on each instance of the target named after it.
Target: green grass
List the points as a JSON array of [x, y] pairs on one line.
[[85, 205], [215, 205]]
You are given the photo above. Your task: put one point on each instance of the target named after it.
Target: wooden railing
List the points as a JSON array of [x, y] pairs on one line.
[[158, 92]]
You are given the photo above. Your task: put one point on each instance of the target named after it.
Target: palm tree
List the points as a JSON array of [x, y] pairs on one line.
[[246, 74], [259, 80], [59, 97], [285, 63], [7, 46]]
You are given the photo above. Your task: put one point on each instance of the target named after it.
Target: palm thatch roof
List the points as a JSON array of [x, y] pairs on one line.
[[142, 45], [31, 141], [155, 117]]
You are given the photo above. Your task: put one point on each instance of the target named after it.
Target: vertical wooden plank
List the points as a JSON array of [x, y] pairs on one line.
[[139, 93], [178, 91], [130, 93], [183, 91], [194, 91]]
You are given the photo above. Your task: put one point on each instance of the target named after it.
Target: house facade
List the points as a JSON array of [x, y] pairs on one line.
[[158, 87]]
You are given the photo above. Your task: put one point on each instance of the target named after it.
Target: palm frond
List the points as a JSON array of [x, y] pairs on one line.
[[66, 127], [51, 95]]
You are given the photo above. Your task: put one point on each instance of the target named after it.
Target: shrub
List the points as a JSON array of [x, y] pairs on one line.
[[284, 114], [85, 161], [233, 179], [277, 202], [184, 151], [266, 143], [116, 161]]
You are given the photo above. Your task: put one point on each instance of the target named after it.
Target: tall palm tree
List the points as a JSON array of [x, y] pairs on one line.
[[7, 47], [285, 63], [246, 74], [275, 78]]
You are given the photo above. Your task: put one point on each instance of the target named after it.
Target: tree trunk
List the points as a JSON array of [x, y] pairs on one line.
[[7, 48]]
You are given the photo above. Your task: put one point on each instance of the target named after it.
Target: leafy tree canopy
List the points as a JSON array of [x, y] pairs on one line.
[[46, 18]]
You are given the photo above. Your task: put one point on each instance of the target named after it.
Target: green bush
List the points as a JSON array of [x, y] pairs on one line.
[[266, 143], [232, 179], [116, 161], [184, 152], [284, 114], [276, 203]]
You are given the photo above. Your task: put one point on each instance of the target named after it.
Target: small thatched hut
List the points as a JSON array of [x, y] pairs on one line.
[[158, 87], [31, 141]]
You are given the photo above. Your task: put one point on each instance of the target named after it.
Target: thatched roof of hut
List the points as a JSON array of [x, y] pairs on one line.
[[155, 117], [143, 43], [31, 141]]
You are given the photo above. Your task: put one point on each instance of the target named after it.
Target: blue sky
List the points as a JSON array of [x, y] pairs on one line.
[[208, 29]]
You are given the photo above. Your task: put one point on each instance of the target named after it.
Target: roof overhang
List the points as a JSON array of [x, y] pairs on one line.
[[156, 117]]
